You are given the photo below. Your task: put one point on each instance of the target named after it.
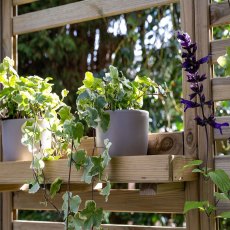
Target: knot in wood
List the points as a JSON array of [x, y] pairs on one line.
[[166, 144], [189, 138]]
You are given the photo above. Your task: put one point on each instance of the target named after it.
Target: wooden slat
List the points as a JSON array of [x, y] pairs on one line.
[[223, 162], [133, 227], [221, 88], [220, 13], [159, 144], [226, 130], [203, 37], [166, 143], [138, 169], [223, 206], [22, 2], [8, 49], [37, 225], [119, 201], [79, 12], [190, 128], [153, 189], [218, 48]]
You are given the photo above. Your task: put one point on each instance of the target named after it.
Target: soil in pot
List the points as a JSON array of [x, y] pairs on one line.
[[13, 149], [128, 132]]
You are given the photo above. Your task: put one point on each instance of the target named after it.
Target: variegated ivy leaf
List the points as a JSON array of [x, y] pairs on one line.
[[106, 190], [73, 201], [93, 216], [34, 187], [55, 187]]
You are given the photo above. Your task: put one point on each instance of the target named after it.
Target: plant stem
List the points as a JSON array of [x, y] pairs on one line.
[[68, 184]]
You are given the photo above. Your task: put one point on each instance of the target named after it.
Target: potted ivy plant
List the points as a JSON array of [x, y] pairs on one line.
[[112, 106], [26, 103]]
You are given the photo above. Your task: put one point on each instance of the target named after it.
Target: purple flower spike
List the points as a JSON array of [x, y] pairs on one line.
[[212, 122], [200, 121], [204, 59], [184, 38], [189, 104]]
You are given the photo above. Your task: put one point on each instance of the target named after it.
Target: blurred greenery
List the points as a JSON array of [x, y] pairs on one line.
[[140, 43]]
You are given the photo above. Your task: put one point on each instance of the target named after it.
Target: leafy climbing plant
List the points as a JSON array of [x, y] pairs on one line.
[[32, 97], [113, 92]]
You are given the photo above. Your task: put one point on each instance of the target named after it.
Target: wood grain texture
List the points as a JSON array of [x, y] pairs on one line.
[[7, 38], [37, 225], [79, 12], [221, 88], [8, 46], [165, 143], [159, 144], [223, 206], [223, 162], [119, 201], [220, 13], [225, 130], [218, 48], [22, 2], [138, 169], [154, 189], [203, 36], [190, 129], [27, 225], [1, 210]]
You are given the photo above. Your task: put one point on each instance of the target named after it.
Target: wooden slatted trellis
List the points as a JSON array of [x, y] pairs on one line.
[[163, 168]]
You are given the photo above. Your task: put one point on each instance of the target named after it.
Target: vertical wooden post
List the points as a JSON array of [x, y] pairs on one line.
[[1, 19], [203, 37], [190, 128], [8, 48]]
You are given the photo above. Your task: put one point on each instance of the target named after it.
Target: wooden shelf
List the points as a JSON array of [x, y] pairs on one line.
[[138, 169]]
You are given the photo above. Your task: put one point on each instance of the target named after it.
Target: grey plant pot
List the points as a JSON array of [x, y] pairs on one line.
[[128, 133], [12, 148]]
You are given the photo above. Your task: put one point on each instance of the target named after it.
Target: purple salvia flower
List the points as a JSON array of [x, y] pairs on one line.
[[189, 104], [200, 121], [212, 122]]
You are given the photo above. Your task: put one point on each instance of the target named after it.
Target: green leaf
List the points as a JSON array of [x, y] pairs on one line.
[[64, 93], [35, 187], [193, 163], [65, 113], [198, 171], [221, 179], [93, 216], [225, 215], [79, 158], [113, 72], [105, 120], [55, 187], [106, 190], [89, 79], [75, 222], [87, 177], [74, 202], [190, 205]]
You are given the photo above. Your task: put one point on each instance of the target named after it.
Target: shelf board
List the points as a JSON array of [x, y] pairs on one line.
[[120, 200], [127, 169]]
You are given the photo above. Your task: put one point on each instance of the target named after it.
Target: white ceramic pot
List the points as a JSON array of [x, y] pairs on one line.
[[12, 148], [128, 132]]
